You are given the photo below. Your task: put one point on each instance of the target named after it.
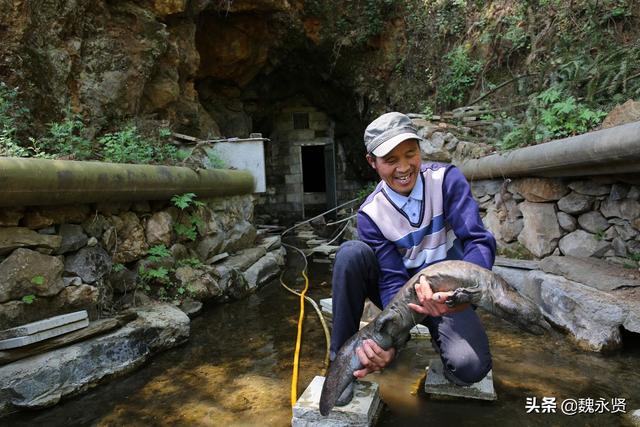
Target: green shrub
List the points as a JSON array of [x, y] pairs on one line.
[[129, 146], [10, 115], [460, 76], [552, 114], [562, 115], [189, 219], [65, 139], [215, 161], [157, 252]]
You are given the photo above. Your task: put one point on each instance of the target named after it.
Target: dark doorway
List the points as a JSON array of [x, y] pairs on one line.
[[313, 171]]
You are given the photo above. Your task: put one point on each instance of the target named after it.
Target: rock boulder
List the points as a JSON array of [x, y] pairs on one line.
[[42, 380], [26, 272]]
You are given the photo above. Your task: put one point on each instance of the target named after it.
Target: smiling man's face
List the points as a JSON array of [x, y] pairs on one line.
[[400, 167]]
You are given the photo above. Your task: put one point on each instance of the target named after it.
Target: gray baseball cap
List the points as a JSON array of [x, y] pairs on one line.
[[387, 131]]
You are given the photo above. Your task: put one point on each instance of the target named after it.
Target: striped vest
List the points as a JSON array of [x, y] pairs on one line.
[[429, 240]]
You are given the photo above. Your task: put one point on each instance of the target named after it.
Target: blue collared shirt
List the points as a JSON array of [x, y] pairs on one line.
[[408, 204]]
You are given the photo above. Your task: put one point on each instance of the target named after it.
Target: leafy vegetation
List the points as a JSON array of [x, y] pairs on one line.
[[190, 218], [28, 299], [215, 161], [157, 252], [528, 59], [551, 114], [38, 280], [460, 75], [67, 139], [154, 276], [64, 140], [128, 146], [10, 115], [190, 262]]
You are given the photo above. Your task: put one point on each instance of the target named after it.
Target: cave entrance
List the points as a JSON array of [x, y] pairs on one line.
[[301, 162]]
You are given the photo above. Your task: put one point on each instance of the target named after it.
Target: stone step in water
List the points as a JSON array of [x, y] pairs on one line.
[[362, 411], [43, 335], [437, 385], [43, 325]]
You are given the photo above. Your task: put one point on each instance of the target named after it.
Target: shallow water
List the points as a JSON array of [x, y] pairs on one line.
[[236, 371]]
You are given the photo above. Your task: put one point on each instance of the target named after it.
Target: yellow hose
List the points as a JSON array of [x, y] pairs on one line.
[[296, 356]]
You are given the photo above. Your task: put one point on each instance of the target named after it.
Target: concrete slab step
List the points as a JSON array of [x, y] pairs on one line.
[[437, 385], [362, 411], [43, 335], [43, 325]]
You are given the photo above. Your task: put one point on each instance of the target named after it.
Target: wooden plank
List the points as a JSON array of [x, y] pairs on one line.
[[95, 328], [185, 137]]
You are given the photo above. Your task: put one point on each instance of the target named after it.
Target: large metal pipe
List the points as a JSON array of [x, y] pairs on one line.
[[592, 153], [25, 182]]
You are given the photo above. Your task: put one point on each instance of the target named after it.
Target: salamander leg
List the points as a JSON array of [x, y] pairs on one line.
[[464, 296]]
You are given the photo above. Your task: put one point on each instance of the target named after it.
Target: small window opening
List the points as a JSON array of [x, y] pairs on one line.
[[301, 120]]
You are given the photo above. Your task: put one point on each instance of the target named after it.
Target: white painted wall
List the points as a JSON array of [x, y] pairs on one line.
[[246, 155]]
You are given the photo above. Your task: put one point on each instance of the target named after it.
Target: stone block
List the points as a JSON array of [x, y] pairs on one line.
[[592, 316], [293, 179], [270, 243], [12, 238], [43, 325], [292, 188], [43, 335], [361, 411], [265, 268], [582, 244], [540, 231], [295, 198], [436, 384], [301, 135], [540, 189]]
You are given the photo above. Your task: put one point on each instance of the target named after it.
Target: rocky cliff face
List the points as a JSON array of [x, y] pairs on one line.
[[205, 68], [109, 61], [210, 68]]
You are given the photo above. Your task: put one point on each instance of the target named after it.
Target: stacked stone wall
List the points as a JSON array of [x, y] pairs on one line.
[[59, 259], [583, 217]]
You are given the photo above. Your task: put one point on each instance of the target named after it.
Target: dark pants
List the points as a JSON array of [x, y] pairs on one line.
[[463, 343]]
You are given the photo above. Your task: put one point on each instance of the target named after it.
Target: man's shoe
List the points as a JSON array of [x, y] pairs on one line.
[[346, 395]]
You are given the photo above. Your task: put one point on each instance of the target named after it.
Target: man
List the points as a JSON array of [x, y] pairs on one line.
[[419, 214]]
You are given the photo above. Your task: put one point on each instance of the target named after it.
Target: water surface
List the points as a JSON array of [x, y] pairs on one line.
[[236, 370]]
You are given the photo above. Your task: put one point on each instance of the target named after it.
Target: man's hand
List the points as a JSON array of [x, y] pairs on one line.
[[373, 357], [433, 304]]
